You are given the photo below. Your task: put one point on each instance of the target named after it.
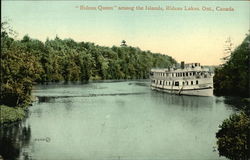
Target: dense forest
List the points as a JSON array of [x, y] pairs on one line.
[[232, 78], [28, 61]]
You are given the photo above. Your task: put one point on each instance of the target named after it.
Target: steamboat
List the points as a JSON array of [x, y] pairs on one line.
[[188, 79]]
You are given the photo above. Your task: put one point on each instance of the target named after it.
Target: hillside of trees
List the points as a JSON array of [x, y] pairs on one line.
[[26, 61], [232, 78]]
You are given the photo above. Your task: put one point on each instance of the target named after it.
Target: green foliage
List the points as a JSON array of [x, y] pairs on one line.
[[234, 137], [232, 78], [19, 68], [10, 114], [28, 60], [67, 60]]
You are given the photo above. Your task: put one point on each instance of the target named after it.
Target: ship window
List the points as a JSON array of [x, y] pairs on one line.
[[176, 83], [169, 83], [197, 82], [183, 83], [191, 82], [193, 73], [187, 74], [187, 82], [172, 74], [190, 74]]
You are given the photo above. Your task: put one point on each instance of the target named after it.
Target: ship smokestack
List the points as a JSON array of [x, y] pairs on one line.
[[182, 64]]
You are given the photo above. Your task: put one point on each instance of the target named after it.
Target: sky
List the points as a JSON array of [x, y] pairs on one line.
[[186, 35]]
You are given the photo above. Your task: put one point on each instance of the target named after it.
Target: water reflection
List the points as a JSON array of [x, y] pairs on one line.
[[52, 99], [238, 103], [47, 99], [13, 139], [185, 101]]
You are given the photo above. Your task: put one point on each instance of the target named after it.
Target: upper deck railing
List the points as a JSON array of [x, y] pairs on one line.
[[173, 70]]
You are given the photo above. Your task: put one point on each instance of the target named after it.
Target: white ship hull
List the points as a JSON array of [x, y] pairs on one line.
[[206, 91]]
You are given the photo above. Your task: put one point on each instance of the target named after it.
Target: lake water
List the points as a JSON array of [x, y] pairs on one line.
[[111, 120]]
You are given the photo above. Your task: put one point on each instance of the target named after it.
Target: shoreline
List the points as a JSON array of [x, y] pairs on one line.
[[12, 115]]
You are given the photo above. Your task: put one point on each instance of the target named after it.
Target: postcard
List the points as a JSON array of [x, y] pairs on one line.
[[124, 80]]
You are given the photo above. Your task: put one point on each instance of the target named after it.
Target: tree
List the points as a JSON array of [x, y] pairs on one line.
[[19, 69], [234, 137], [228, 49], [66, 60], [232, 78], [123, 43]]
